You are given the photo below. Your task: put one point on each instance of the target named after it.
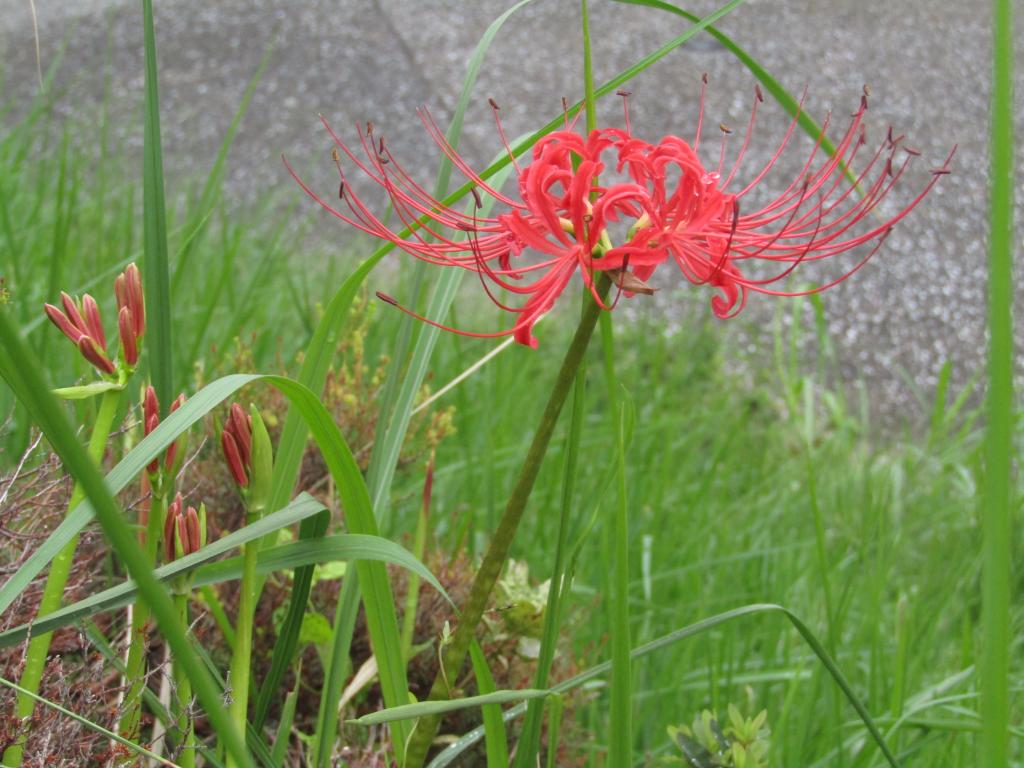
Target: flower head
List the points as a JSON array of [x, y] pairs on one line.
[[662, 199], [249, 455], [80, 321], [184, 530]]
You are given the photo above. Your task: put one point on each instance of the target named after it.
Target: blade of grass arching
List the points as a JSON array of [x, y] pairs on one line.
[[212, 186], [786, 100], [18, 365], [495, 737], [130, 745], [428, 708], [154, 223], [994, 663], [452, 752]]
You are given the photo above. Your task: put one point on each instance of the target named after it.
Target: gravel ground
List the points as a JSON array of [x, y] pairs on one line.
[[918, 304]]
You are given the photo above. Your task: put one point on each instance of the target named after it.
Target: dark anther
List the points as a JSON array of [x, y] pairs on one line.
[[334, 155], [476, 197], [888, 166], [369, 128], [888, 138], [385, 298], [380, 146], [623, 94], [867, 89], [863, 136], [940, 171], [704, 78], [565, 104], [588, 217], [493, 103], [911, 151], [724, 128], [341, 190], [757, 92]]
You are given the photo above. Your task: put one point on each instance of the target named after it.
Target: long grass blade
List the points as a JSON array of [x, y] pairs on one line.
[[495, 737], [155, 273], [998, 495]]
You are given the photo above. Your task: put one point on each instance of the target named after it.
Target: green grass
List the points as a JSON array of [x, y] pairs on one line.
[[762, 487]]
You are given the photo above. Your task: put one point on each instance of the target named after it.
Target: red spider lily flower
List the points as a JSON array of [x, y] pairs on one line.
[[150, 421], [131, 312], [671, 206], [820, 213], [236, 441], [80, 322], [184, 531]]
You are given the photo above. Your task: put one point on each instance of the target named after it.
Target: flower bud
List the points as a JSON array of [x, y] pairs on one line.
[[184, 531], [129, 342], [93, 354], [131, 312], [249, 455], [93, 322], [150, 421]]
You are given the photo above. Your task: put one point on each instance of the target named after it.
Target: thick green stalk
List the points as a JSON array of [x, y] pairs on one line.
[[241, 656], [135, 667], [998, 498], [497, 552], [183, 686], [39, 646]]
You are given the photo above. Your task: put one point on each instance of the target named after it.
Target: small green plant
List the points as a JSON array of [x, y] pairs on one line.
[[743, 743]]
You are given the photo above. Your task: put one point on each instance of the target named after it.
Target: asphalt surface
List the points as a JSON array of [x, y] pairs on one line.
[[919, 303]]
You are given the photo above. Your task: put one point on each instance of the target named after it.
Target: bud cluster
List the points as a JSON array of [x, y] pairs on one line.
[[80, 321]]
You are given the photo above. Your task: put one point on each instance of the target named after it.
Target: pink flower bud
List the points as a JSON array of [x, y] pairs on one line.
[[74, 315], [234, 458], [129, 343], [61, 320], [241, 428], [128, 289], [91, 352], [172, 449], [192, 529], [93, 322], [170, 524]]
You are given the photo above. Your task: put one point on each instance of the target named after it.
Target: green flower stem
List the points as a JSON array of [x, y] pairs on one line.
[[183, 687], [241, 656], [497, 552], [135, 667], [39, 646]]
